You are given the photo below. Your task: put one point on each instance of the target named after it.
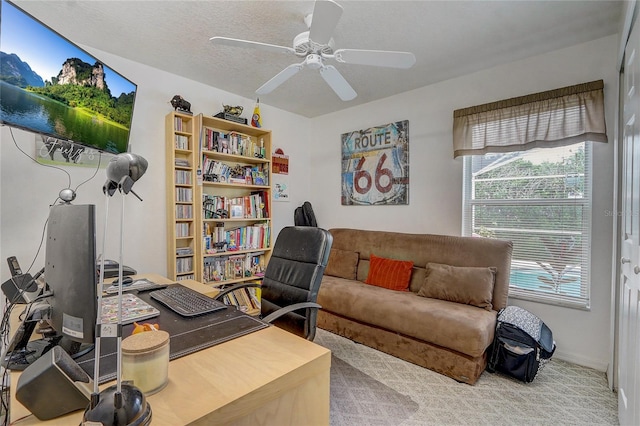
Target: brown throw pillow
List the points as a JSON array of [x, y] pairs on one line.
[[468, 285], [342, 263], [389, 273]]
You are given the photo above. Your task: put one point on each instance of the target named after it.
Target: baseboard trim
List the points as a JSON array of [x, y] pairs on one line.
[[581, 360]]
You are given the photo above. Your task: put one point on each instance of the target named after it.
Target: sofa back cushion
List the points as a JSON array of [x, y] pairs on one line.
[[342, 264], [469, 285], [424, 248]]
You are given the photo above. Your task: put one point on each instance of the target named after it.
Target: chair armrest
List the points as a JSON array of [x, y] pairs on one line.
[[277, 314], [226, 291]]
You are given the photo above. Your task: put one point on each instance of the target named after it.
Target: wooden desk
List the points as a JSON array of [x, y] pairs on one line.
[[269, 377]]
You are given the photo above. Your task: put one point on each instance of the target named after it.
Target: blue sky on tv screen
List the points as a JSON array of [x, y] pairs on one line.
[[45, 51]]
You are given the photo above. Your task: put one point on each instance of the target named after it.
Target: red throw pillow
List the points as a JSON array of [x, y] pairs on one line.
[[389, 273]]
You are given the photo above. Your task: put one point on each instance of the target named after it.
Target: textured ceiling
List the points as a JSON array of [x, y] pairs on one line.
[[448, 38]]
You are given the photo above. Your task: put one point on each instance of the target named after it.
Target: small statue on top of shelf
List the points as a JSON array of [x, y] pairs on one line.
[[180, 104], [232, 110]]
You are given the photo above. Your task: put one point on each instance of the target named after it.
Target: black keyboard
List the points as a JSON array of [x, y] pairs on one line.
[[186, 302]]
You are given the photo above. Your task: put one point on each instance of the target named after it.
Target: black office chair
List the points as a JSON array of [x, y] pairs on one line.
[[292, 279]]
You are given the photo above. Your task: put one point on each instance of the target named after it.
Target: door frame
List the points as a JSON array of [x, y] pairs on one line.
[[628, 21]]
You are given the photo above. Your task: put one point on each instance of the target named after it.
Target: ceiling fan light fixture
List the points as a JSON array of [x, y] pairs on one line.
[[314, 61]]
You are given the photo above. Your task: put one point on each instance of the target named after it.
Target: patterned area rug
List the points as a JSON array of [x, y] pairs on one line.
[[359, 399], [561, 394]]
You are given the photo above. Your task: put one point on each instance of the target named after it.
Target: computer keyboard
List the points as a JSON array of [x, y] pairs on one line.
[[186, 302]]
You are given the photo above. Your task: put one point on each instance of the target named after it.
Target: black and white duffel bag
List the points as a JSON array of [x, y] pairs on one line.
[[521, 345]]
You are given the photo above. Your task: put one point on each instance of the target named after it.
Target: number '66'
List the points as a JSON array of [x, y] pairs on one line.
[[380, 171]]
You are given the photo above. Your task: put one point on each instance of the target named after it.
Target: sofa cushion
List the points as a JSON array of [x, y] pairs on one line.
[[468, 285], [389, 273], [455, 326], [342, 263]]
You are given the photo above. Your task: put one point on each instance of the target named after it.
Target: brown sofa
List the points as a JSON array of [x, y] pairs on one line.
[[450, 337]]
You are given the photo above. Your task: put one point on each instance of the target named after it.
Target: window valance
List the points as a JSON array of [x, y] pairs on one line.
[[547, 119]]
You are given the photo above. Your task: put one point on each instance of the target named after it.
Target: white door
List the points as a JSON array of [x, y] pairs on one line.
[[629, 307]]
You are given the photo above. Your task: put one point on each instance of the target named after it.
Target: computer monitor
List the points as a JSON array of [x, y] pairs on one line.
[[70, 272], [71, 277]]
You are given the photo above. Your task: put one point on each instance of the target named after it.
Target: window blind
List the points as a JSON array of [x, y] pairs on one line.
[[539, 199]]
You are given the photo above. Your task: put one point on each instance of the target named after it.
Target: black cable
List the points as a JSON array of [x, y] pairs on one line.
[[35, 161], [94, 173], [4, 332]]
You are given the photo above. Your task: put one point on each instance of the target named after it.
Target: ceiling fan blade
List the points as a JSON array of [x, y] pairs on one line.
[[337, 82], [253, 44], [279, 78], [326, 14], [379, 58]]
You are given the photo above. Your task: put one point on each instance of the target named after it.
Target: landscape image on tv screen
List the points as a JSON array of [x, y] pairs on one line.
[[50, 86]]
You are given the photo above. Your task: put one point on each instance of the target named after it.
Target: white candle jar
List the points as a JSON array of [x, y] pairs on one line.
[[145, 360]]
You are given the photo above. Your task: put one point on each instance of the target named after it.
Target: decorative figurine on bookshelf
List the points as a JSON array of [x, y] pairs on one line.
[[180, 104], [231, 113], [232, 110]]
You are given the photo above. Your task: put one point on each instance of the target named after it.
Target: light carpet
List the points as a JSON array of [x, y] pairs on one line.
[[561, 394]]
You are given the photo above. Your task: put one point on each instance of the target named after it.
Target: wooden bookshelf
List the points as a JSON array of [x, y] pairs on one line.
[[231, 201], [182, 230]]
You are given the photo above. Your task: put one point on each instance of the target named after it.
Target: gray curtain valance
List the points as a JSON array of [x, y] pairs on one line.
[[547, 119]]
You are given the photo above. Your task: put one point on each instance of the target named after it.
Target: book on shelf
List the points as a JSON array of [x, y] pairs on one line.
[[181, 162], [244, 299], [184, 264], [231, 266], [184, 195], [234, 143], [184, 211], [184, 251], [179, 124], [181, 142], [182, 177], [182, 230], [186, 277]]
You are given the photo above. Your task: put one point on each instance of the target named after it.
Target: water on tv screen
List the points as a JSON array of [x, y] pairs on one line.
[[50, 86]]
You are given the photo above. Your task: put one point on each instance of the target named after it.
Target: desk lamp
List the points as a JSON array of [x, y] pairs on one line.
[[120, 404]]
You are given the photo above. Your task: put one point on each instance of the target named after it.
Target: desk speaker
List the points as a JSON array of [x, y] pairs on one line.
[[20, 289], [54, 385]]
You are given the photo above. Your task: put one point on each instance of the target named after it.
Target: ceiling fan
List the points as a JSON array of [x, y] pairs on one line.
[[316, 46]]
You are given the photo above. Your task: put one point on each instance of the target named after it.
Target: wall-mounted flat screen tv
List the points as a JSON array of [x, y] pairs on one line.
[[50, 86]]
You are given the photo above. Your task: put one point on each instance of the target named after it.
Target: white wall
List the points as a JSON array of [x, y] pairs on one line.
[[27, 189], [435, 201]]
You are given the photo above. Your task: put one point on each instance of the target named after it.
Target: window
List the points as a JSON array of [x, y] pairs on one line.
[[540, 199]]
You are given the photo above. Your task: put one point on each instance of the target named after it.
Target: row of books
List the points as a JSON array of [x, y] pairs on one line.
[[186, 277], [184, 264], [232, 143], [179, 125], [183, 177], [184, 195], [184, 211], [231, 267], [245, 299], [182, 162], [243, 238], [254, 206], [218, 171], [181, 142], [182, 230], [184, 251]]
